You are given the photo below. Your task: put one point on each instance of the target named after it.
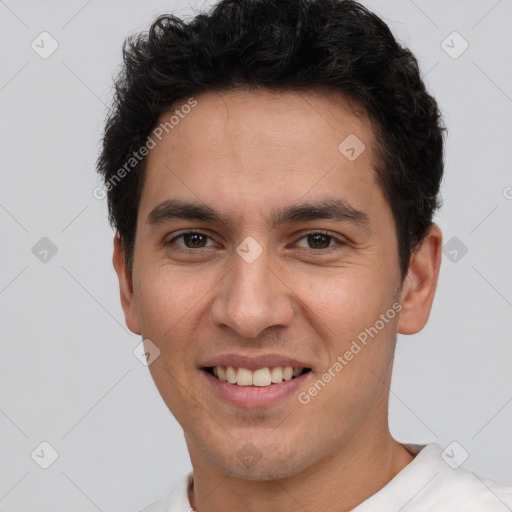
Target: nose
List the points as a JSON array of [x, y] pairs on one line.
[[252, 297]]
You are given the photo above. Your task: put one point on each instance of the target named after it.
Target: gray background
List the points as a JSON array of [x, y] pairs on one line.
[[68, 375]]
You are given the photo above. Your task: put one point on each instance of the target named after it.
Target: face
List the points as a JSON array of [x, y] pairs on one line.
[[293, 257]]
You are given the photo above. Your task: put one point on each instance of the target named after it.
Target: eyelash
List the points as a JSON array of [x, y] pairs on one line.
[[305, 235]]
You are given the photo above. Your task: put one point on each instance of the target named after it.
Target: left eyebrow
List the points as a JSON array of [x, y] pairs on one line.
[[331, 209]]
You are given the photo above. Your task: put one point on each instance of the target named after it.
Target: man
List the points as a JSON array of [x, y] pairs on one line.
[[273, 169]]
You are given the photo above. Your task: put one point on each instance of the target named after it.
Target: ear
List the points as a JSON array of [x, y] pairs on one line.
[[125, 286], [420, 283]]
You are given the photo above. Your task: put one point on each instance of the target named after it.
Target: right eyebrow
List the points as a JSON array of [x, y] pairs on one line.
[[177, 209]]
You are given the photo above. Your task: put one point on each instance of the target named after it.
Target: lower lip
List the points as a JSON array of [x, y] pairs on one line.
[[254, 396]]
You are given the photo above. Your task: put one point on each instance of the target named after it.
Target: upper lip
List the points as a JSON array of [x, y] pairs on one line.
[[253, 362]]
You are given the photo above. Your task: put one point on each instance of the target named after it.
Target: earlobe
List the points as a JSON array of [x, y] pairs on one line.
[[125, 287], [420, 283]]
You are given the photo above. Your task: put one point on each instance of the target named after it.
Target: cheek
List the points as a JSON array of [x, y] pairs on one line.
[[344, 301], [358, 370], [345, 310], [169, 298]]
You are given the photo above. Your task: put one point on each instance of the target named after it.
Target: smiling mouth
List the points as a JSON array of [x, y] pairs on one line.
[[261, 377]]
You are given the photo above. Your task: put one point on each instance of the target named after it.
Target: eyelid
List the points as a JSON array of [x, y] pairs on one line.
[[337, 238], [303, 235], [188, 232]]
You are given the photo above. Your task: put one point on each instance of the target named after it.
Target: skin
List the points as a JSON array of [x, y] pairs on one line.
[[244, 154]]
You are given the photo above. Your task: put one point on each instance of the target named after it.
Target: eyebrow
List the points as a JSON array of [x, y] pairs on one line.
[[330, 209]]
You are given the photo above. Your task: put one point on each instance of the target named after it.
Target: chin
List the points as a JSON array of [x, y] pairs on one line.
[[249, 463]]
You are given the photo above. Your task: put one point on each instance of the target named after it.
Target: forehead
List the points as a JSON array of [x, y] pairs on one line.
[[251, 148], [264, 119]]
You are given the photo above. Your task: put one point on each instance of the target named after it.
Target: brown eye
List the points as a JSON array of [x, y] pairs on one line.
[[191, 240], [319, 241], [194, 240]]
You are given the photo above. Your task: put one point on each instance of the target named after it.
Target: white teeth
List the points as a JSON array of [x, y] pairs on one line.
[[244, 377], [261, 377], [221, 373], [231, 375], [287, 373], [277, 374]]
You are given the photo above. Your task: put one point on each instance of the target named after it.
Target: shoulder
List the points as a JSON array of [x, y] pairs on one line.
[[436, 481], [450, 487], [158, 506], [176, 502], [470, 492]]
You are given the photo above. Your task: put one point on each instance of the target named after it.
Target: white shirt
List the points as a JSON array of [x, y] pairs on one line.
[[427, 484]]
